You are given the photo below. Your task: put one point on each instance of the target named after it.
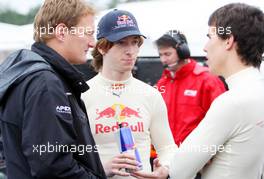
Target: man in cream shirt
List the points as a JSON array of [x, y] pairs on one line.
[[116, 97], [228, 143]]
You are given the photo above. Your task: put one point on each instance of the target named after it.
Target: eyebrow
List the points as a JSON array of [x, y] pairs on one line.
[[136, 37], [90, 32]]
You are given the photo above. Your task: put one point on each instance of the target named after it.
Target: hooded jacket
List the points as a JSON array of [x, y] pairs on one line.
[[45, 128]]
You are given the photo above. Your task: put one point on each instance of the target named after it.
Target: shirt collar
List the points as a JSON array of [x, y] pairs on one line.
[[242, 77]]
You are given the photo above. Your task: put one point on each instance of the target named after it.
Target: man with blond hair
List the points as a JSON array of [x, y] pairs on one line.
[[44, 124]]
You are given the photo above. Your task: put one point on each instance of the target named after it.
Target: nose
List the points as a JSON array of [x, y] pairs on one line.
[[205, 47], [91, 42], [163, 59], [130, 49]]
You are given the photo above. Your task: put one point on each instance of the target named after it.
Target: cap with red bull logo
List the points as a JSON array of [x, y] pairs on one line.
[[116, 25]]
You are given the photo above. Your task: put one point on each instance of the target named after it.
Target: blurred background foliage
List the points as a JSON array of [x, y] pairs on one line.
[[11, 16]]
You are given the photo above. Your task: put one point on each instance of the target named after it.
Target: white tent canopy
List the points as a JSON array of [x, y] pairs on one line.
[[15, 37]]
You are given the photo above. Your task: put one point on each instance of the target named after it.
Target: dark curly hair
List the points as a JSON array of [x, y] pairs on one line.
[[247, 28]]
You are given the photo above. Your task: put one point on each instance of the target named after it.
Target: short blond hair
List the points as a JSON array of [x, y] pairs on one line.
[[53, 12]]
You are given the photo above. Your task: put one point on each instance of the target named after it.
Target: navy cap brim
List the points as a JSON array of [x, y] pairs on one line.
[[120, 35]]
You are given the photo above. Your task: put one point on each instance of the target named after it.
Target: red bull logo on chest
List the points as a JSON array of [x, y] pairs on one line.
[[120, 113], [117, 112], [102, 128]]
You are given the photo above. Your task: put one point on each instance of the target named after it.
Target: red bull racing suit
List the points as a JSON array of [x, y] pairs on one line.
[[136, 105]]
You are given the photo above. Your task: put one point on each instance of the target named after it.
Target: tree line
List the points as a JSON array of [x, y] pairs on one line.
[[12, 17]]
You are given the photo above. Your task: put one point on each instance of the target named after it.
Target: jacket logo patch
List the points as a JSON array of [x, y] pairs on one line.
[[190, 93], [63, 109]]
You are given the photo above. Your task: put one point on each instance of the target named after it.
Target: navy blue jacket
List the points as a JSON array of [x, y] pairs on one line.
[[45, 128]]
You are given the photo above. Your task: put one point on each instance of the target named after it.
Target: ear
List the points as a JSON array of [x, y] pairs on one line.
[[230, 42], [61, 31], [102, 52]]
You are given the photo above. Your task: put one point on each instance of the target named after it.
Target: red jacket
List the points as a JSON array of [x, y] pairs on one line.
[[188, 96]]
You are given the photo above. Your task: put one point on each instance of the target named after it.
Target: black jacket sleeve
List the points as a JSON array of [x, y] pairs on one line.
[[48, 131]]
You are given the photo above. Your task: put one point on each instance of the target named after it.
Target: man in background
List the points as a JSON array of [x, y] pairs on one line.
[[187, 87]]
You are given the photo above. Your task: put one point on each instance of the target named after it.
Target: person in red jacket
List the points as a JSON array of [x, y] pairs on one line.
[[186, 86]]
